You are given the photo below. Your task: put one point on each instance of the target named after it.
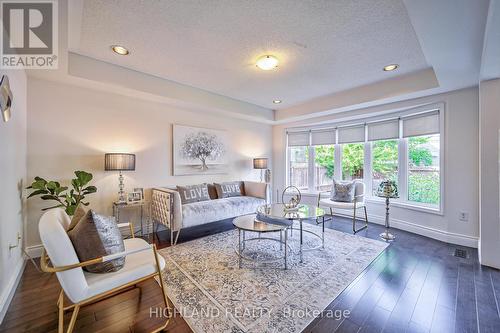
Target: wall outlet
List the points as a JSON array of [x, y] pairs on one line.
[[463, 216]]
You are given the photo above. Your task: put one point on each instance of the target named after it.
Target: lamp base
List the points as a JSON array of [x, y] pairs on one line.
[[387, 236], [121, 193]]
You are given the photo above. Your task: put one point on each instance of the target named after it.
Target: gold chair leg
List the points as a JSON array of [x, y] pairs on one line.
[[73, 319], [162, 284], [60, 304]]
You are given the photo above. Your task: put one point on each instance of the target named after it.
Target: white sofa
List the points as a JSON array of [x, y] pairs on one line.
[[167, 209]]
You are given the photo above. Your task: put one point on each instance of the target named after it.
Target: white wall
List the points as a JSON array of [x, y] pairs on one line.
[[70, 128], [460, 169], [12, 182], [489, 245]]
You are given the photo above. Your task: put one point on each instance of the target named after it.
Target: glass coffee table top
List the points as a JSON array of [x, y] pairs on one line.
[[250, 224], [304, 212]]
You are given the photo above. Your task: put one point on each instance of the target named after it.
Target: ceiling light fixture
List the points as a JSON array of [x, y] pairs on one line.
[[267, 62], [390, 67], [119, 50], [277, 101]]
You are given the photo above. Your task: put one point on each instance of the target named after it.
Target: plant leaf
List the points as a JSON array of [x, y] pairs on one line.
[[90, 189], [83, 177], [39, 184], [44, 209], [37, 192], [48, 197]]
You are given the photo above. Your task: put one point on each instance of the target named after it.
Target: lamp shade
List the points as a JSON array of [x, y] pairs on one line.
[[119, 162], [260, 163], [388, 189]]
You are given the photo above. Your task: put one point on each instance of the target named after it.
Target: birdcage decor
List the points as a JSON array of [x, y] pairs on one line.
[[295, 197]]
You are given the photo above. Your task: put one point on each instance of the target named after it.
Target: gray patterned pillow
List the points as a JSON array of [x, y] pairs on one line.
[[343, 191], [95, 236], [193, 193], [229, 189]]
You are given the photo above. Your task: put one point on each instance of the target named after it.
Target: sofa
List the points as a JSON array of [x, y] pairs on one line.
[[168, 210]]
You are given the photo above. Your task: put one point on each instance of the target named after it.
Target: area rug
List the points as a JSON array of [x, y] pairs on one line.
[[214, 295]]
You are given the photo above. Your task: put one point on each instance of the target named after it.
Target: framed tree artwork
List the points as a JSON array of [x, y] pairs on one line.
[[199, 151]]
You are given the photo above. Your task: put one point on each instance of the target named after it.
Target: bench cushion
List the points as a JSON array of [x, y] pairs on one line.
[[197, 213]]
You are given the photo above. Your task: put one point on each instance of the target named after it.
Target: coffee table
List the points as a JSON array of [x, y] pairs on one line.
[[249, 223], [304, 212]]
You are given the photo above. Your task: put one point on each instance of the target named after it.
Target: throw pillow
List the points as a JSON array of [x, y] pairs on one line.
[[79, 213], [95, 236], [193, 193], [343, 191], [229, 189]]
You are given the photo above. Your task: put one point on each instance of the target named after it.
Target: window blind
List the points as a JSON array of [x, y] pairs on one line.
[[298, 139], [383, 130], [352, 134], [323, 137], [421, 124]]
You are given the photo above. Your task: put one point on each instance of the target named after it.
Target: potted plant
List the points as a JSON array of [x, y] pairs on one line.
[[65, 197]]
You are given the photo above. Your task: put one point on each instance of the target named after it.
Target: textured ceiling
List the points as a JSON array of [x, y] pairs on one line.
[[324, 46]]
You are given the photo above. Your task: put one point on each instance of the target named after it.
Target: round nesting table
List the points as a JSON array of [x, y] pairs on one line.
[[302, 213], [249, 223]]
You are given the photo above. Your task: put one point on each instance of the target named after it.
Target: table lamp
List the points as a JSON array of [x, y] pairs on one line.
[[119, 162], [260, 164]]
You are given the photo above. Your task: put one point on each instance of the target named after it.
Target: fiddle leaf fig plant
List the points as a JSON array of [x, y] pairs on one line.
[[65, 197]]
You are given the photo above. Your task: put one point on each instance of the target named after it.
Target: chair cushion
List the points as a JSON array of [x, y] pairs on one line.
[[343, 191], [229, 189], [339, 204], [193, 193], [136, 266], [95, 236], [197, 213]]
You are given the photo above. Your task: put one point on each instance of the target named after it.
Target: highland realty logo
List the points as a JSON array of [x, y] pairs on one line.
[[29, 35]]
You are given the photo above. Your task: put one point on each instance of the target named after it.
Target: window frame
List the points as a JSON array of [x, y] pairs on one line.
[[402, 201]]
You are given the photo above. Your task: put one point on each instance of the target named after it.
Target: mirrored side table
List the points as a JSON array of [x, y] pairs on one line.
[[145, 220]]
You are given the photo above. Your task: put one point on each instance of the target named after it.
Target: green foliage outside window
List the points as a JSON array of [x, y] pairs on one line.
[[423, 186], [324, 156]]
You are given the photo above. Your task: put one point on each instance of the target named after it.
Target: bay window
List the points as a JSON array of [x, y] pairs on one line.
[[404, 147]]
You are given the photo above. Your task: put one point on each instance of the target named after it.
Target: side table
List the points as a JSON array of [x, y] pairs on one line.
[[144, 214]]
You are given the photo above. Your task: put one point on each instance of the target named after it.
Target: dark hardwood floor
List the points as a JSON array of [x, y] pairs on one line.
[[416, 285]]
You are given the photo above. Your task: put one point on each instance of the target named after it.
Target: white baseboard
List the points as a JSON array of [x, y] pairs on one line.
[[34, 251], [8, 293], [444, 236]]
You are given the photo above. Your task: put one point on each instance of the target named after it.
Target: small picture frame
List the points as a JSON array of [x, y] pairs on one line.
[[134, 197], [140, 189]]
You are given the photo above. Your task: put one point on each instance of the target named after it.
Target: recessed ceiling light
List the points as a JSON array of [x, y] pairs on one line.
[[119, 50], [277, 101], [267, 62], [390, 67]]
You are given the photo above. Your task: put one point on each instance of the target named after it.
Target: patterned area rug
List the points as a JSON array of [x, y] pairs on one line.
[[213, 295]]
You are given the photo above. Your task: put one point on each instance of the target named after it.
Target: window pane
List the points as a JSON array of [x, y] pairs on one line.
[[384, 162], [423, 169], [323, 167], [298, 157], [352, 161]]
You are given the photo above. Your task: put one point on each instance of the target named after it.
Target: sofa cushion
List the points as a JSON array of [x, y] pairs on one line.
[[197, 213], [229, 189], [193, 193], [95, 236], [79, 213]]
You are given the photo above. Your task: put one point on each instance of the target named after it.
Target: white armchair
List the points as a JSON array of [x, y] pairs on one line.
[[82, 288], [358, 202]]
